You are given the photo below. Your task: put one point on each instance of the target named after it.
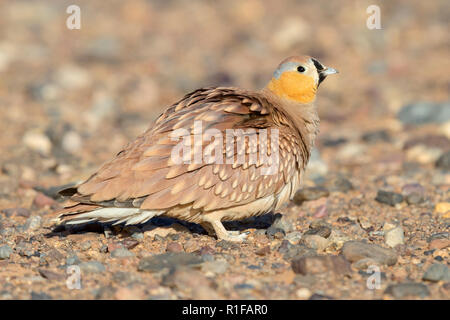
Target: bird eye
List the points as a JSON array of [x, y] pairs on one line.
[[301, 69]]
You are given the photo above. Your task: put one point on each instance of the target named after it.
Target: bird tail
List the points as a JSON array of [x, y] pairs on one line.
[[86, 213]]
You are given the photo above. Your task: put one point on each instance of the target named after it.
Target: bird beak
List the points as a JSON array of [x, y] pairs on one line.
[[327, 71]]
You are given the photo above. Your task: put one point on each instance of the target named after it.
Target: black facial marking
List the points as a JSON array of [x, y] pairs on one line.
[[319, 68]]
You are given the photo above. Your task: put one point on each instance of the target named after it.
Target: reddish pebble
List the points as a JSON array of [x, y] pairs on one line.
[[439, 244], [41, 200], [263, 251], [174, 247], [321, 211], [207, 250]]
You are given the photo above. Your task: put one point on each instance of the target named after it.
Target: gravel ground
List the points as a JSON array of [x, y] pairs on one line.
[[371, 221]]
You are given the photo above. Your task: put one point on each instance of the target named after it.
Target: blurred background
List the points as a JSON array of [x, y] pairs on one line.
[[70, 99]]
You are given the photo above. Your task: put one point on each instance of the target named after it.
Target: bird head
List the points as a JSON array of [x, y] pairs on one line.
[[297, 78]]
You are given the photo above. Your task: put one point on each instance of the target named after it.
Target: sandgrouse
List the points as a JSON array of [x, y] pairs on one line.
[[217, 154]]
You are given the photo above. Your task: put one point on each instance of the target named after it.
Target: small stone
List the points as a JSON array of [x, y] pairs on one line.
[[263, 251], [414, 193], [394, 237], [191, 246], [387, 197], [308, 194], [443, 208], [5, 252], [437, 272], [92, 267], [294, 237], [376, 136], [320, 228], [85, 245], [315, 242], [122, 253], [303, 293], [321, 211], [443, 162], [174, 247], [215, 267], [356, 250], [321, 264], [283, 223], [21, 212], [403, 290], [71, 142], [40, 296], [364, 264], [273, 232], [42, 201], [125, 293], [33, 223], [37, 141], [439, 244], [338, 184], [50, 275], [226, 245], [73, 260], [418, 113], [168, 260]]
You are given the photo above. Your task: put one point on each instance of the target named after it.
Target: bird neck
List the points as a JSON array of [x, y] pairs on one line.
[[303, 116]]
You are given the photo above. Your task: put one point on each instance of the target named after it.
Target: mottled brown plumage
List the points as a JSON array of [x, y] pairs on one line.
[[143, 180]]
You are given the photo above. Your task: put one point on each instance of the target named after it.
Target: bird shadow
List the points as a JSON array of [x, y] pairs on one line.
[[259, 222]]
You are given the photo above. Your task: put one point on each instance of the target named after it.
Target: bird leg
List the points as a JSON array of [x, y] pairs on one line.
[[221, 233]]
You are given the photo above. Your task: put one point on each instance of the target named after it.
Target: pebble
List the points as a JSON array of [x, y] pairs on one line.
[[376, 136], [403, 290], [85, 245], [308, 194], [443, 208], [191, 245], [443, 162], [354, 251], [21, 212], [215, 267], [303, 293], [168, 260], [387, 197], [394, 237], [283, 223], [321, 211], [73, 260], [174, 247], [33, 223], [315, 242], [413, 193], [437, 272], [122, 253], [263, 251], [294, 237], [42, 201], [418, 113], [338, 184], [38, 142], [319, 227], [439, 244], [92, 267], [5, 252], [126, 293], [40, 296], [72, 142], [320, 264], [274, 232]]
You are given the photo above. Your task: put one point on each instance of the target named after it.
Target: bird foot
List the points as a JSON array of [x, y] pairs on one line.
[[234, 236]]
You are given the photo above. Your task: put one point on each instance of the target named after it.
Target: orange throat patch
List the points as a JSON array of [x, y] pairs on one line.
[[295, 86]]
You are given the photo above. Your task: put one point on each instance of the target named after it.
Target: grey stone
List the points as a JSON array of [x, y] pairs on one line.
[[168, 260], [444, 161], [92, 267], [387, 197], [122, 253], [33, 223], [311, 193], [402, 290], [437, 272], [354, 251], [418, 113], [5, 252]]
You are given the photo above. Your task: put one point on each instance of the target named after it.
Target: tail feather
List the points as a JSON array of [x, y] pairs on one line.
[[85, 213]]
